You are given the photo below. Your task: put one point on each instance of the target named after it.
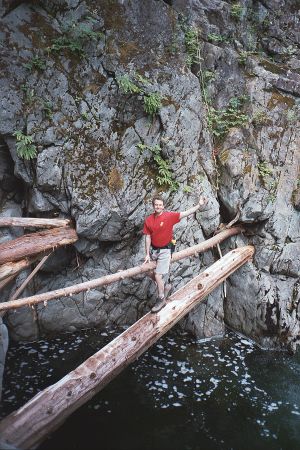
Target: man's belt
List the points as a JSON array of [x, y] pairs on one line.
[[160, 248]]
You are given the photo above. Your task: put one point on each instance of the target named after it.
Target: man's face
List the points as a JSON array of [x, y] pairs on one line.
[[158, 206]]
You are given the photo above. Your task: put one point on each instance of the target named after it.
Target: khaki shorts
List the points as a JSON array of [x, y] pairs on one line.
[[163, 258]]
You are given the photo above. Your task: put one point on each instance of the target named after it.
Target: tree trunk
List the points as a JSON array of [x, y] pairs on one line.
[[108, 279], [30, 222], [28, 427], [33, 243]]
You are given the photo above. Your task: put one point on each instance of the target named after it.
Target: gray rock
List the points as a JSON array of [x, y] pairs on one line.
[[3, 349]]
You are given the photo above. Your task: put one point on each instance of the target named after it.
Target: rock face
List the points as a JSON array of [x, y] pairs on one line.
[[124, 98]]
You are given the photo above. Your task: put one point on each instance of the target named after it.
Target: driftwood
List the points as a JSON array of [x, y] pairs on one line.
[[29, 278], [4, 283], [30, 222], [33, 243], [13, 268], [109, 279], [28, 427]]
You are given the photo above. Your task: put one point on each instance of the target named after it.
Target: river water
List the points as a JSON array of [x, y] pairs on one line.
[[183, 394]]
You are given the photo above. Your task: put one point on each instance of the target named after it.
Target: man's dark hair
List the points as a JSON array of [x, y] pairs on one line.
[[157, 197]]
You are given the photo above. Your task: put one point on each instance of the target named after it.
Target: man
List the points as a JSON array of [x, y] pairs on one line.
[[158, 230]]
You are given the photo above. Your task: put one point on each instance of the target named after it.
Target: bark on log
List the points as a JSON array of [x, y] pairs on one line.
[[29, 278], [30, 222], [28, 427], [109, 279], [3, 283], [13, 268], [33, 243]]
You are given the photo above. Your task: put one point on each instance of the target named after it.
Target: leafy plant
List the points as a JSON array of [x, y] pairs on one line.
[[220, 121], [48, 109], [187, 189], [152, 103], [236, 11], [36, 63], [243, 57], [25, 147], [264, 170], [29, 94], [84, 115], [216, 38], [208, 76], [127, 86], [164, 174], [142, 79], [75, 38], [191, 41], [152, 100], [259, 118]]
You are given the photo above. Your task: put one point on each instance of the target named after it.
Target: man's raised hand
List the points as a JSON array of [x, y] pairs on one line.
[[202, 201]]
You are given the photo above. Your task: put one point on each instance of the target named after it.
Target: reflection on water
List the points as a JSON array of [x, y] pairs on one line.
[[183, 394]]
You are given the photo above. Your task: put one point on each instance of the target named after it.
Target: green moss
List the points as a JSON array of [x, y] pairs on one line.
[[115, 180], [278, 98], [272, 67]]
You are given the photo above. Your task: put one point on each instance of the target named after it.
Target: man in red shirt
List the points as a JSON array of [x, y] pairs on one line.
[[158, 230]]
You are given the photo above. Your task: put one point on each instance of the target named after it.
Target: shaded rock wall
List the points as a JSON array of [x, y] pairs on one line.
[[227, 75]]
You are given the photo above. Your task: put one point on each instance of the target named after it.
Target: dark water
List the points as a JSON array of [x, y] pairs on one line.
[[182, 394]]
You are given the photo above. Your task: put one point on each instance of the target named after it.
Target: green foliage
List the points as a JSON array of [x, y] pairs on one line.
[[266, 174], [48, 109], [164, 175], [191, 41], [293, 114], [264, 170], [29, 94], [236, 11], [216, 38], [25, 147], [243, 57], [208, 75], [259, 118], [74, 39], [84, 115], [152, 100], [36, 63], [127, 86], [152, 103], [139, 78], [187, 189], [220, 121]]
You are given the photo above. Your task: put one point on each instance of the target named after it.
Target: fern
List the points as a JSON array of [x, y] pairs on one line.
[[25, 147], [152, 103], [164, 176], [127, 86]]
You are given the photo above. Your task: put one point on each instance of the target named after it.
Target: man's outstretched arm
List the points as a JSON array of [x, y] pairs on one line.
[[147, 248], [202, 202]]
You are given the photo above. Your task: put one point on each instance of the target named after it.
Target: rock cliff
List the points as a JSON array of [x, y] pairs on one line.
[[117, 99]]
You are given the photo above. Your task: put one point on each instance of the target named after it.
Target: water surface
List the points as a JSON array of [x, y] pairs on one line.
[[183, 394]]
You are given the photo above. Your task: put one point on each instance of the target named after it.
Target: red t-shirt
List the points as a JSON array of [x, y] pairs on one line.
[[160, 227]]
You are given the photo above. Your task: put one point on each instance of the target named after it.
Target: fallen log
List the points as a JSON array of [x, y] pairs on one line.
[[28, 427], [29, 278], [3, 283], [30, 222], [109, 279], [13, 268], [33, 243]]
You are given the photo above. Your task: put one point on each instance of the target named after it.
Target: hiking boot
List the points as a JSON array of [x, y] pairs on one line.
[[167, 290], [159, 305]]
